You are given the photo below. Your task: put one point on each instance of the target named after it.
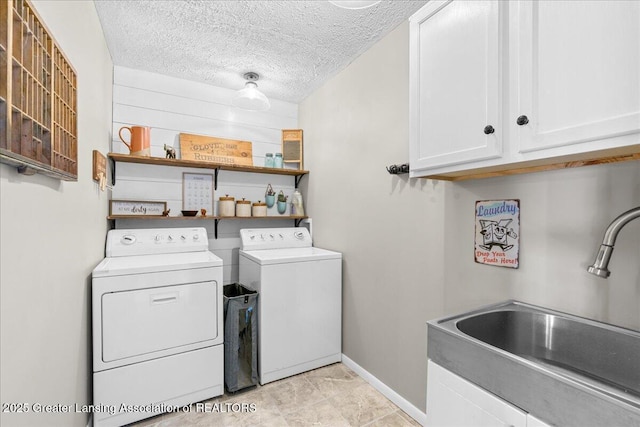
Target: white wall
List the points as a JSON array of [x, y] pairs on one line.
[[171, 106], [563, 217], [389, 228], [52, 236]]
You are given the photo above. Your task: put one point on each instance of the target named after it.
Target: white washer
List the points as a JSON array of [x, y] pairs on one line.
[[157, 324], [299, 303]]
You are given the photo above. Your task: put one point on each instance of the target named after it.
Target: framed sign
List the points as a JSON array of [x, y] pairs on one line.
[[497, 235], [217, 150], [127, 208], [197, 191]]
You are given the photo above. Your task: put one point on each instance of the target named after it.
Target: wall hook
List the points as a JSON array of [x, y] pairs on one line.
[[398, 169]]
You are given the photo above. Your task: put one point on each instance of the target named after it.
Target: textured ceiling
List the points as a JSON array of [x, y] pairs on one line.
[[295, 46]]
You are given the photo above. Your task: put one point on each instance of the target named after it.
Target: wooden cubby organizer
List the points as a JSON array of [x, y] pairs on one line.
[[38, 96], [216, 167]]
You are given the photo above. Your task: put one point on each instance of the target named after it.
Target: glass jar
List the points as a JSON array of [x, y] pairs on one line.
[[268, 160], [277, 162]]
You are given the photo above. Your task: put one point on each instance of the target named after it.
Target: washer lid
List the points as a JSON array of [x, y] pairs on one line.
[[282, 256], [141, 264]]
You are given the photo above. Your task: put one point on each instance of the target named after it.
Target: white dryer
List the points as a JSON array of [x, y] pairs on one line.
[[157, 324], [300, 300]]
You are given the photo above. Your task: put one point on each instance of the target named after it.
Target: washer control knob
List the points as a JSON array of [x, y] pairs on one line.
[[170, 238], [299, 235], [128, 239], [157, 238], [195, 237], [183, 237]]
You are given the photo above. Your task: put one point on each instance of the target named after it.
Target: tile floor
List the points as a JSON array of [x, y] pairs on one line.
[[332, 396]]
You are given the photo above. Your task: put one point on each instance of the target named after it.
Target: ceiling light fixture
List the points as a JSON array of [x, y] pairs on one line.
[[354, 4], [250, 98]]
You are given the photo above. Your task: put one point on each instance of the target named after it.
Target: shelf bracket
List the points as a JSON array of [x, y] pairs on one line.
[[215, 187], [112, 163], [298, 178], [216, 221]]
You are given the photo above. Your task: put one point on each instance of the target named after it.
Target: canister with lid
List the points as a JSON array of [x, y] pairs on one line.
[[259, 209], [226, 206], [243, 208]]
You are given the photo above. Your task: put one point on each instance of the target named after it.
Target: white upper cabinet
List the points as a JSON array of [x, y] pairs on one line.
[[576, 72], [455, 83], [559, 82]]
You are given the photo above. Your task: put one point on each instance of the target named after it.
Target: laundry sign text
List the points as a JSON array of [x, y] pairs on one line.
[[497, 233]]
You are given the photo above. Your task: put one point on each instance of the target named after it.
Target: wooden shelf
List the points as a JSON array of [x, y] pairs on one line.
[[209, 217], [161, 161], [29, 166], [203, 165], [216, 219]]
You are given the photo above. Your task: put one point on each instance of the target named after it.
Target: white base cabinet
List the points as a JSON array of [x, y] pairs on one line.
[[498, 86], [455, 402]]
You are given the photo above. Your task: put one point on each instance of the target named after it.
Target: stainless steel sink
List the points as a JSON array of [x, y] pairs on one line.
[[563, 368], [594, 354]]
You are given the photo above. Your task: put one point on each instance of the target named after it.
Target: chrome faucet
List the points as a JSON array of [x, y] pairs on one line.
[[599, 267]]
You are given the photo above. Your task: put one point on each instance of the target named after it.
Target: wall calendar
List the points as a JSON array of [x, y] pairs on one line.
[[197, 191]]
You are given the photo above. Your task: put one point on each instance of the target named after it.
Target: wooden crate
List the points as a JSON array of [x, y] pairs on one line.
[[38, 96]]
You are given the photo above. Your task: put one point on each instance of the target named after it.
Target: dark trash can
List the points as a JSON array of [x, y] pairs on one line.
[[240, 337]]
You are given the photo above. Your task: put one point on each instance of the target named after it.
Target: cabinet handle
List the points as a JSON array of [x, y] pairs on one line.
[[522, 120], [488, 129]]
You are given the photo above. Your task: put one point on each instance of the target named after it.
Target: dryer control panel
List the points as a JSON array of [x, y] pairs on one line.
[[274, 238], [126, 242]]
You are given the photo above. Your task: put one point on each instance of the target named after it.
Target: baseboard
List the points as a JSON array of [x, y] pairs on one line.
[[398, 400]]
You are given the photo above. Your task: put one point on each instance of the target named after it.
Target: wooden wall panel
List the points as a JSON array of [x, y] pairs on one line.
[[170, 106]]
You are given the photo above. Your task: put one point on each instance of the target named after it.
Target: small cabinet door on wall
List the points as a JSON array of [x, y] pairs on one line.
[[575, 68], [455, 83]]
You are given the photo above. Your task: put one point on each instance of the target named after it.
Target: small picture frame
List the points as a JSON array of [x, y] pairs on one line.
[[127, 208], [197, 191]]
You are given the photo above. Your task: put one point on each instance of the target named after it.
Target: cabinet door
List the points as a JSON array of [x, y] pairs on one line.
[[453, 401], [575, 74], [455, 83]]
